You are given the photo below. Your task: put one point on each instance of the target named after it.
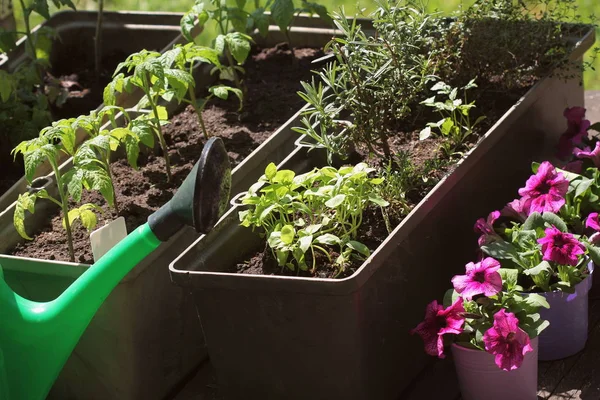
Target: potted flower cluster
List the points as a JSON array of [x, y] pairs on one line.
[[127, 141], [399, 102], [493, 330], [549, 237]]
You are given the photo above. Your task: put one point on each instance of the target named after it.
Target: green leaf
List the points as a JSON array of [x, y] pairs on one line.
[[544, 266], [555, 220], [501, 250], [374, 198], [41, 7], [163, 115], [85, 214], [285, 177], [595, 126], [536, 300], [74, 179], [533, 222], [187, 24], [305, 243], [287, 234], [509, 277], [132, 148], [260, 21], [335, 201], [282, 12], [425, 133], [25, 201], [238, 18], [282, 257], [594, 252], [116, 85], [220, 44], [328, 239], [239, 46], [320, 10], [357, 246], [6, 85], [270, 171], [450, 297]]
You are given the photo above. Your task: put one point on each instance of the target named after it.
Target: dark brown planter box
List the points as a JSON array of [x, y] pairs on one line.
[[274, 337]]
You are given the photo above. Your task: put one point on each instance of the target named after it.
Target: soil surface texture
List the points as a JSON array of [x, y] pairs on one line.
[[272, 80]]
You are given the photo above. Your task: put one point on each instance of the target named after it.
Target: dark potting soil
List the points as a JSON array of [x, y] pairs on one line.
[[272, 79], [371, 233]]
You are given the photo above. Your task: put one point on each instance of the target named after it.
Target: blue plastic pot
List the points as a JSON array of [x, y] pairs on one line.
[[568, 317]]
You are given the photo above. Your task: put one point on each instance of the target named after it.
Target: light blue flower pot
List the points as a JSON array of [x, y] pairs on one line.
[[568, 317]]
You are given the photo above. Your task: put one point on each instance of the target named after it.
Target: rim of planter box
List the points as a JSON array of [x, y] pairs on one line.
[[129, 19], [191, 276], [276, 147]]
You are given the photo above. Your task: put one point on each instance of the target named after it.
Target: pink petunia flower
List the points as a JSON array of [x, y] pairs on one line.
[[486, 228], [439, 322], [560, 247], [577, 128], [545, 191], [593, 222], [481, 278], [507, 341], [593, 155], [517, 209]]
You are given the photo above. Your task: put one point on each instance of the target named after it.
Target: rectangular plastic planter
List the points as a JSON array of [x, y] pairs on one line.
[[145, 338], [293, 338], [122, 31]]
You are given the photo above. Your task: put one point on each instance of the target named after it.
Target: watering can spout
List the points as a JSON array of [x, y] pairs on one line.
[[36, 339]]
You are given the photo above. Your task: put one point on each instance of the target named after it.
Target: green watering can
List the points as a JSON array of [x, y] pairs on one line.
[[36, 339]]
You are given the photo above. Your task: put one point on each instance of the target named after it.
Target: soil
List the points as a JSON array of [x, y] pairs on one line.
[[272, 80]]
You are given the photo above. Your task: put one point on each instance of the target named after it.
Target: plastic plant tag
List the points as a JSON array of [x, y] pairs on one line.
[[105, 238]]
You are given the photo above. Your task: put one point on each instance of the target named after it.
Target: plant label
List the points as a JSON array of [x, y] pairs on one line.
[[105, 238]]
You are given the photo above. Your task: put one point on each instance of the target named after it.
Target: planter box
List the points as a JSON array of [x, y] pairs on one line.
[[290, 338], [76, 30], [144, 339]]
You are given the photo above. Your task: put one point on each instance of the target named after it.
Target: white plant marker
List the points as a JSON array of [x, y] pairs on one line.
[[105, 238]]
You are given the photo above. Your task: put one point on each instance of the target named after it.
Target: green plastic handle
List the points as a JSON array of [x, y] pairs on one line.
[[36, 339]]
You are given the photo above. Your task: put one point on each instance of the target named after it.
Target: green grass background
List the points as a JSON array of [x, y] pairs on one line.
[[586, 8]]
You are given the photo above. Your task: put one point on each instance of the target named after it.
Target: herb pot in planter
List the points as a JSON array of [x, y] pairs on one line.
[[568, 317], [480, 378]]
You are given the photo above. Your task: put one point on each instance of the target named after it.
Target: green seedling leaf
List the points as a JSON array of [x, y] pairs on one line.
[[282, 12], [450, 297], [335, 201], [374, 198], [86, 214], [239, 46], [25, 201], [260, 21], [270, 171], [536, 300], [287, 234], [357, 246], [425, 133], [305, 242], [328, 239]]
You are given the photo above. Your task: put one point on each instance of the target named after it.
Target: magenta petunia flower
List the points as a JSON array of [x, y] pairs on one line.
[[593, 222], [577, 127], [593, 155], [486, 228], [560, 247], [481, 278], [507, 341], [545, 191], [439, 322], [517, 209]]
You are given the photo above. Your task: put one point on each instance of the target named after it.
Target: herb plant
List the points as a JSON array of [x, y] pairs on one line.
[[456, 126], [302, 215], [85, 172]]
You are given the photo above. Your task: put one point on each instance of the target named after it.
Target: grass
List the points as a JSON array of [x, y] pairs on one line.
[[587, 10]]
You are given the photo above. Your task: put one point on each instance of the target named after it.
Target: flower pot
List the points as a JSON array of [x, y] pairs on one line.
[[282, 337], [123, 33], [144, 339], [480, 378], [568, 317]]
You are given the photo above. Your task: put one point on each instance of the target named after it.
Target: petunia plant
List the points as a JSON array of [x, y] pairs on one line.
[[486, 310], [541, 234]]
